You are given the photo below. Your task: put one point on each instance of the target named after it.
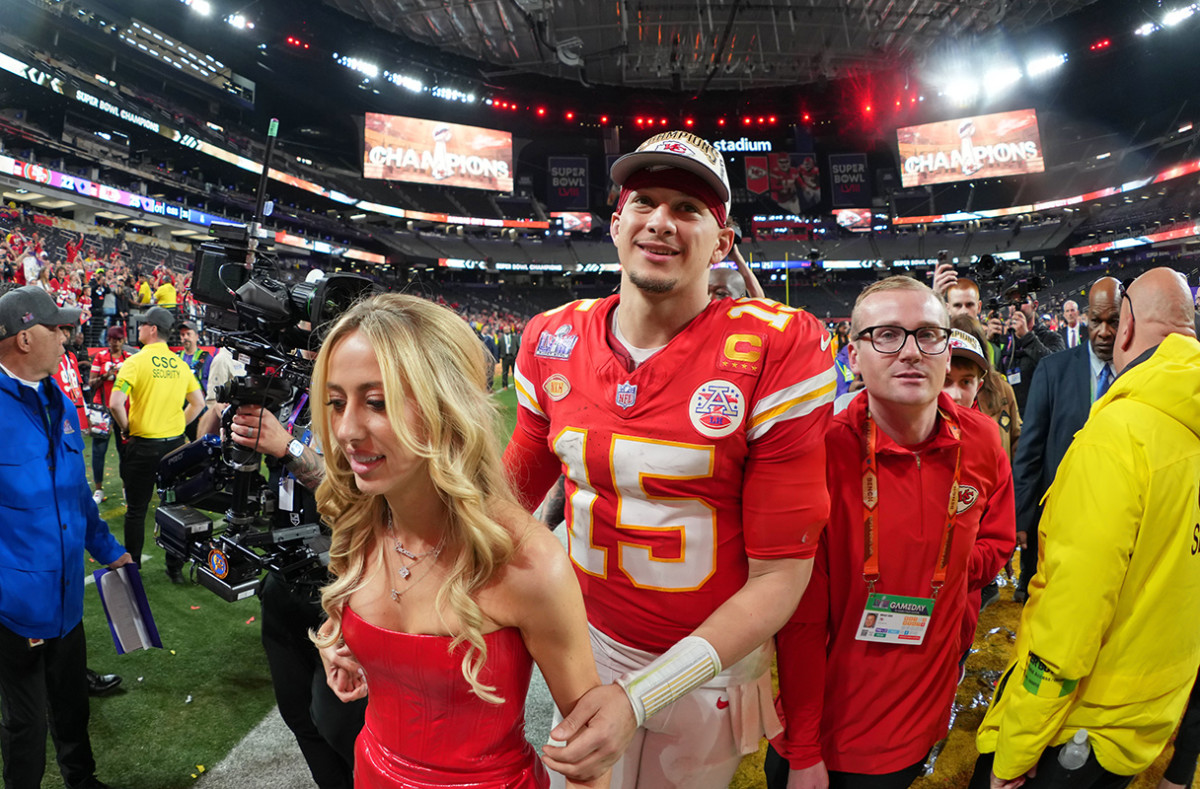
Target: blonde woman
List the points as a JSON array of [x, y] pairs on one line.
[[445, 590]]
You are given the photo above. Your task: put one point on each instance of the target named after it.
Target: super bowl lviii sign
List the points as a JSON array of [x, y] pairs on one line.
[[981, 146], [434, 152]]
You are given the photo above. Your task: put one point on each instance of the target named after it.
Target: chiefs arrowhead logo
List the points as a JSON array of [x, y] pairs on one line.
[[966, 498]]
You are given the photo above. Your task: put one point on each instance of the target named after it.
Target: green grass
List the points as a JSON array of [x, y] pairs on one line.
[[149, 735]]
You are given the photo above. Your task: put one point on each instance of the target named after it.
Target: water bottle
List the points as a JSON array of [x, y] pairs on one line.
[[1075, 753]]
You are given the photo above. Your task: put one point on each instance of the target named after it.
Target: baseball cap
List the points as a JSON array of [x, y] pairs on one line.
[[967, 347], [161, 318], [28, 306], [682, 150], [187, 325]]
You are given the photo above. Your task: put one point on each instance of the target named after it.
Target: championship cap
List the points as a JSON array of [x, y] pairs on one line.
[[28, 306], [967, 347], [163, 319], [679, 149]]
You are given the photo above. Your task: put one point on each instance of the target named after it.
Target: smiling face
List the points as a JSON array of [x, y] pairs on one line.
[[909, 377], [667, 240], [360, 422]]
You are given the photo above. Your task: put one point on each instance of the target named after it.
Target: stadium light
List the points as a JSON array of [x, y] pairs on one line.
[[999, 79], [1172, 18], [202, 7], [1039, 66], [1146, 29]]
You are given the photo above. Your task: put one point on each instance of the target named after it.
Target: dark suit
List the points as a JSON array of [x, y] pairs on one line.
[[508, 344], [1060, 397], [1083, 334]]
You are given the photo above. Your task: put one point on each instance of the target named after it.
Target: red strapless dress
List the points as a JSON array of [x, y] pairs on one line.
[[424, 726]]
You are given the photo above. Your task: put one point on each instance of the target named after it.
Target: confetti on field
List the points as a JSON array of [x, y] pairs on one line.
[[195, 608], [250, 620], [188, 700], [172, 652]]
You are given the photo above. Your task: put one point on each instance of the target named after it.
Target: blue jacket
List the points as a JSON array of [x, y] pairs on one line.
[[47, 515]]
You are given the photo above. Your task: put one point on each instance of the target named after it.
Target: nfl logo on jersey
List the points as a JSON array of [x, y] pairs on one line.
[[626, 394], [558, 345]]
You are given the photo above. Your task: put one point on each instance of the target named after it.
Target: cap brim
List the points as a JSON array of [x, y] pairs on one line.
[[630, 163], [67, 316], [970, 355]]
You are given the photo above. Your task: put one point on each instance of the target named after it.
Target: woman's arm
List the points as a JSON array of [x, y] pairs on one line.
[[553, 623]]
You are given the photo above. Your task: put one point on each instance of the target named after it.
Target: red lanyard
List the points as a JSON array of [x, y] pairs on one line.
[[870, 472]]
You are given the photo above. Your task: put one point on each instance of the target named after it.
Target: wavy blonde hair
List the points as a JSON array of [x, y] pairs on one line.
[[434, 366]]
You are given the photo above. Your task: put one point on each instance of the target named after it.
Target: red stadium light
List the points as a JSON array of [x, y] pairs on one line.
[[761, 120], [720, 121], [295, 42], [689, 122], [771, 119], [570, 115], [640, 121], [662, 122], [867, 108], [1103, 43], [604, 119], [806, 117], [747, 120], [541, 111]]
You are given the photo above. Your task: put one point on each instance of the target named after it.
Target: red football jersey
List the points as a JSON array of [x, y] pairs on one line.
[[711, 451]]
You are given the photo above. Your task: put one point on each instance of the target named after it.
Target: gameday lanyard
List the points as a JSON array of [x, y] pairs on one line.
[[870, 473]]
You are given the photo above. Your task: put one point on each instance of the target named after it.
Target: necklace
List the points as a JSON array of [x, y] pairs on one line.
[[405, 570]]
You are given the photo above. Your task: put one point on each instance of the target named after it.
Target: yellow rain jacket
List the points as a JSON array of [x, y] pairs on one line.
[[1113, 616]]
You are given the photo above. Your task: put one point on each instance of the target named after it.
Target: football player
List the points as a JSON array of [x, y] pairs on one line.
[[691, 434]]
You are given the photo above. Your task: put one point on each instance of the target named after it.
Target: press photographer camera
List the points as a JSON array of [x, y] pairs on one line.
[[265, 324], [1010, 282]]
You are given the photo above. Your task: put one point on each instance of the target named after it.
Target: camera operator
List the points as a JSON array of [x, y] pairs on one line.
[[324, 727]]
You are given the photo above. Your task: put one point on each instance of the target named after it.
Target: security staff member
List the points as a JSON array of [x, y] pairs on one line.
[[1108, 643], [152, 383]]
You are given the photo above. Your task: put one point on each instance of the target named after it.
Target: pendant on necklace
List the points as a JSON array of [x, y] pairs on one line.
[[395, 595], [405, 573], [400, 549]]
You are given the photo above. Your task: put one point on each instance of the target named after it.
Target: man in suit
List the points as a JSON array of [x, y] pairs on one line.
[[509, 343], [1073, 331], [1062, 392]]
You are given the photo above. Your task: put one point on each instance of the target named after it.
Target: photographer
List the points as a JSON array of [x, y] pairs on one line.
[[1021, 343], [324, 727]]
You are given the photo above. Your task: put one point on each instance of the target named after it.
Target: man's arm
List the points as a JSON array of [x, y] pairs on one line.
[[997, 531], [801, 659], [1029, 460], [195, 404], [116, 406]]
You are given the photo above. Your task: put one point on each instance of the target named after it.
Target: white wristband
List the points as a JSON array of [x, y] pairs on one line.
[[672, 675]]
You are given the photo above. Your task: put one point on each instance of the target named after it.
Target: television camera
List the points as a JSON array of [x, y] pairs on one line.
[[263, 321]]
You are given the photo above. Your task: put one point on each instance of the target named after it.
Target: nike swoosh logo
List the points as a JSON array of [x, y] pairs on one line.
[[722, 703], [825, 341]]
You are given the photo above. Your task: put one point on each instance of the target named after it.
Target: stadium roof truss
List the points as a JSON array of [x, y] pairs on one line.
[[695, 44]]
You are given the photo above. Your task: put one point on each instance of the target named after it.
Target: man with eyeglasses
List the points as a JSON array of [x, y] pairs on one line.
[[1108, 642], [921, 513]]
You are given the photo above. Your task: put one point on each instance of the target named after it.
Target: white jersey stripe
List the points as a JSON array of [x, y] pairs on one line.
[[526, 392], [792, 402]]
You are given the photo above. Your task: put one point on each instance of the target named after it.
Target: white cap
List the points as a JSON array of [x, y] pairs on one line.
[[682, 150], [966, 346]]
